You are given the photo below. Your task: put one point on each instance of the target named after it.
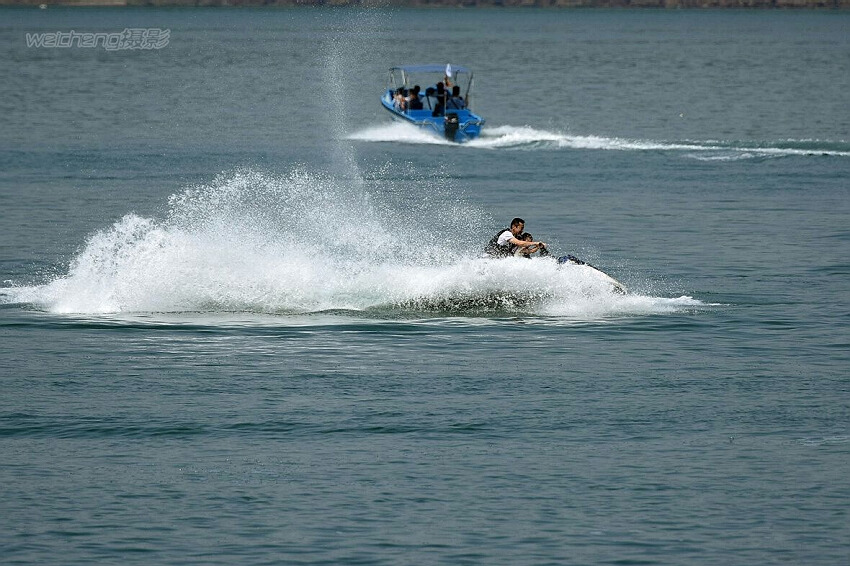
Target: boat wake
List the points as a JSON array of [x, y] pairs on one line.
[[528, 138], [302, 243]]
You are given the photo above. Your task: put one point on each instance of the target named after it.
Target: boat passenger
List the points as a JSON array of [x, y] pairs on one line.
[[413, 101], [429, 94], [398, 100], [506, 241], [442, 99], [456, 101]]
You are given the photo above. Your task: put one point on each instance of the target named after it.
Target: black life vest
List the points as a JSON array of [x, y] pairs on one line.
[[494, 249]]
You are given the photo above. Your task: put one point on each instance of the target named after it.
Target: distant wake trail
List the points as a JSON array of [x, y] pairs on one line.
[[526, 138]]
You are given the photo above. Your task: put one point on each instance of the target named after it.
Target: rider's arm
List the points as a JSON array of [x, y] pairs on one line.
[[524, 244]]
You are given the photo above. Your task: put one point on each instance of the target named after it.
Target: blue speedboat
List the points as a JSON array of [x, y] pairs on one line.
[[440, 109]]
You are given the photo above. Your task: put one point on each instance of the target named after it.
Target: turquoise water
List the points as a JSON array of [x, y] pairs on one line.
[[244, 320]]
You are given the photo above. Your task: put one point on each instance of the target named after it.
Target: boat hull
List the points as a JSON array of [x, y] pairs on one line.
[[469, 124]]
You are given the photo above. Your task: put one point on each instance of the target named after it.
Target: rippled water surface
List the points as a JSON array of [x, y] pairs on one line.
[[244, 320]]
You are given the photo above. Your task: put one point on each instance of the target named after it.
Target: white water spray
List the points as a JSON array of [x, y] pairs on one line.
[[305, 242]]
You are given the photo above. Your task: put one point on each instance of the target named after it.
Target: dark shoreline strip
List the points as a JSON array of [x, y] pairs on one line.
[[663, 4]]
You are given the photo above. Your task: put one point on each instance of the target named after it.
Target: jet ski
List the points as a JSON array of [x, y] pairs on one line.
[[493, 250]]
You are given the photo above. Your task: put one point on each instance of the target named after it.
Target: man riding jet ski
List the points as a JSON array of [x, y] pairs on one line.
[[512, 241], [508, 240]]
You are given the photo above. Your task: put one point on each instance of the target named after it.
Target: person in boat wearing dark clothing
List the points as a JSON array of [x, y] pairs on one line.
[[442, 97], [456, 101], [413, 101], [507, 241]]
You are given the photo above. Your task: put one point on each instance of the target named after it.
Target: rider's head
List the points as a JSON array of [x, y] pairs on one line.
[[517, 226]]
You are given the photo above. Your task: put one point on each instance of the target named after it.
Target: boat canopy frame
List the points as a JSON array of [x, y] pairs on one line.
[[406, 70]]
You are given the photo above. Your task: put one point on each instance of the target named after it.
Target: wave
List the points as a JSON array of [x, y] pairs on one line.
[[528, 138], [304, 243]]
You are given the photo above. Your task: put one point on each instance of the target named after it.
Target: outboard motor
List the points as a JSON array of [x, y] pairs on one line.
[[452, 125]]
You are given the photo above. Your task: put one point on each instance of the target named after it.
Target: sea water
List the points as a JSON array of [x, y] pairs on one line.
[[245, 319]]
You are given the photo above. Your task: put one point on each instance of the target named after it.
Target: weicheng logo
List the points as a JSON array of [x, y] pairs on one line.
[[130, 38]]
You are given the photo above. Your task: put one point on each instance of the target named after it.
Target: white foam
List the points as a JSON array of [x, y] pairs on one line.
[[398, 132], [306, 243], [529, 138]]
